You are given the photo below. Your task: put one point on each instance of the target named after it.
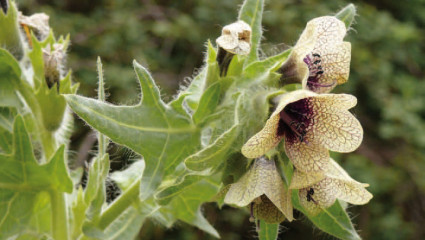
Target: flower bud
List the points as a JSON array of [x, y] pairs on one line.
[[53, 63], [235, 39]]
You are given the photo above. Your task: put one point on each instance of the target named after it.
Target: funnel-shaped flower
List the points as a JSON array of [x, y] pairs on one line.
[[320, 60], [320, 191], [311, 124], [262, 185]]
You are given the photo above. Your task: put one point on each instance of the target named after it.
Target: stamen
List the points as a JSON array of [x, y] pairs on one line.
[[294, 125], [310, 193]]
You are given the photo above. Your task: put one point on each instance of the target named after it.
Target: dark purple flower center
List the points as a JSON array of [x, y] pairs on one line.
[[294, 120], [314, 63]]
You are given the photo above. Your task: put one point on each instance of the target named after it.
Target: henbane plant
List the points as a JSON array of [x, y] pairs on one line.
[[250, 131]]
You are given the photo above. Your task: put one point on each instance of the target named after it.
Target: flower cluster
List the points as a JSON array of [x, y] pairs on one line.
[[311, 122]]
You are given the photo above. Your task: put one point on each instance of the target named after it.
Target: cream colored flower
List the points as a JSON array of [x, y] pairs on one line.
[[39, 23], [262, 185], [320, 60], [236, 38], [319, 191], [311, 124]]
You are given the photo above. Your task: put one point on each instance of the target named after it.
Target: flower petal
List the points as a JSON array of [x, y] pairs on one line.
[[264, 140], [335, 63], [307, 157], [321, 198], [351, 191], [337, 130], [325, 30], [338, 101], [262, 178], [302, 180], [268, 137]]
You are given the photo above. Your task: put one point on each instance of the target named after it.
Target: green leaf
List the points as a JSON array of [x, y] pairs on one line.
[[22, 179], [10, 73], [6, 127], [10, 33], [210, 100], [268, 231], [125, 178], [260, 71], [333, 220], [95, 192], [186, 205], [213, 155], [199, 83], [251, 12], [126, 226], [151, 128], [52, 106], [213, 70]]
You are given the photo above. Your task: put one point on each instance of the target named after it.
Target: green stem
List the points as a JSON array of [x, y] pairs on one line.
[[119, 205], [59, 215]]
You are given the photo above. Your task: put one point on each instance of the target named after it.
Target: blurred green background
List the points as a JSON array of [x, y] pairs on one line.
[[387, 76]]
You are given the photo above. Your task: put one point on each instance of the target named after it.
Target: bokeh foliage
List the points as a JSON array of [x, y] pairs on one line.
[[387, 76]]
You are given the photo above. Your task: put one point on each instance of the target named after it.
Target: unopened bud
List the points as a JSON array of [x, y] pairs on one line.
[[235, 39], [53, 63]]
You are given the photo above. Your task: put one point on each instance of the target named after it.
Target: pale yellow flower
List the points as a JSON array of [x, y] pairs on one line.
[[311, 124], [320, 190], [320, 60], [263, 186]]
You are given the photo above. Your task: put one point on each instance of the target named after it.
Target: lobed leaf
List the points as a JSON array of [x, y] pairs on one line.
[[151, 128], [22, 179]]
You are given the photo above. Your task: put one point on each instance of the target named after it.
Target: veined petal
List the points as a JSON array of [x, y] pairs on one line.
[[338, 101], [269, 136], [351, 191], [336, 129], [325, 30], [316, 197], [336, 184], [307, 157], [262, 178], [302, 180], [264, 140], [335, 63]]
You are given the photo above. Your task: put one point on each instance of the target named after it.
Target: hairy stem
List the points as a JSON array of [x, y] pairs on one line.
[[119, 205], [59, 215]]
